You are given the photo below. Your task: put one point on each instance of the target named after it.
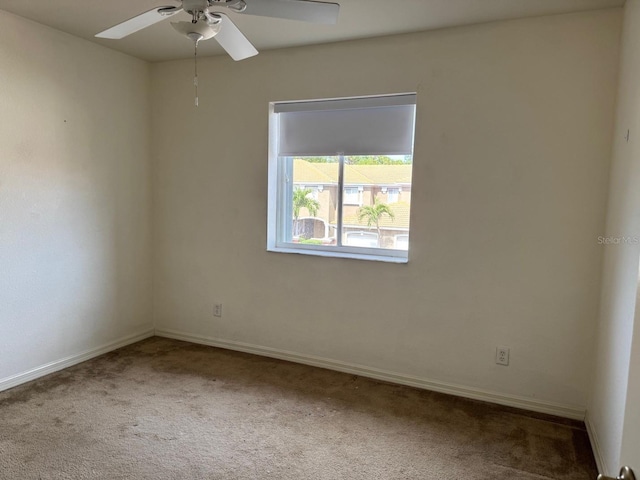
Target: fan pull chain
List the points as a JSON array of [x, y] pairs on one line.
[[195, 76]]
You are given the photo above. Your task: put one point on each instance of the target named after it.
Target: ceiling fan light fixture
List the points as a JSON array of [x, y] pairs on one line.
[[195, 37], [200, 30]]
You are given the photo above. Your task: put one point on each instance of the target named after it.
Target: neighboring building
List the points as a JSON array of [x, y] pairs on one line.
[[390, 184]]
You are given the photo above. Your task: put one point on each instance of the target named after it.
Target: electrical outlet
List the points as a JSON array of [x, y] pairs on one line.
[[502, 355], [217, 310]]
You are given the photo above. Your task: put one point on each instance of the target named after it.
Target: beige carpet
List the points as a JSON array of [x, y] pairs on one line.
[[163, 409]]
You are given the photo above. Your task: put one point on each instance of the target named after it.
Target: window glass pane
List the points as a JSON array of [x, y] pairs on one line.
[[381, 186], [314, 200]]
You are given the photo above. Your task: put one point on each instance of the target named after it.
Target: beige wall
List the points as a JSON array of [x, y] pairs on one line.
[[613, 410], [510, 182], [514, 126], [512, 148], [74, 197]]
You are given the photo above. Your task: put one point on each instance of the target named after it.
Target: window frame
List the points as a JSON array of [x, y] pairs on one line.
[[279, 208]]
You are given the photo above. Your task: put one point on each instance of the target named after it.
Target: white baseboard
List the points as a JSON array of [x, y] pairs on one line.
[[566, 411], [51, 367], [595, 446]]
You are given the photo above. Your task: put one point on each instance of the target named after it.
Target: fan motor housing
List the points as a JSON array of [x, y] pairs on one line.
[[195, 7]]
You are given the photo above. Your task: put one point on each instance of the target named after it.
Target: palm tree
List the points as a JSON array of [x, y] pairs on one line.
[[301, 199], [373, 213]]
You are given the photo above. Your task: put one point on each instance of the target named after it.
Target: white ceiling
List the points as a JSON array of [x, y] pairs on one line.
[[358, 19]]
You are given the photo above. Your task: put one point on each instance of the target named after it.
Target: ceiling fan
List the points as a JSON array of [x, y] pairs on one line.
[[208, 20]]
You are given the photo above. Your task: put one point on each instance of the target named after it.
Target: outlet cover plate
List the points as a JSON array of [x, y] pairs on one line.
[[502, 356]]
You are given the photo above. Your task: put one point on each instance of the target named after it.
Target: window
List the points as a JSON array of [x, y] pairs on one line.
[[393, 195], [352, 196], [329, 161], [314, 190]]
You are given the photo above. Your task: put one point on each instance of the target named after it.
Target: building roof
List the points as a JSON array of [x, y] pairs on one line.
[[327, 173], [306, 172]]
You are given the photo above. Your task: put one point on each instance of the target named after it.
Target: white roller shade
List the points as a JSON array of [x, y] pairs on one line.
[[356, 126]]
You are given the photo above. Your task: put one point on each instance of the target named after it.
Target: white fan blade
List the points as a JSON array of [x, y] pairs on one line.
[[139, 22], [233, 40], [303, 10]]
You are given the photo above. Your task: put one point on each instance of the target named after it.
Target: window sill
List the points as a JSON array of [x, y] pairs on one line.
[[353, 256]]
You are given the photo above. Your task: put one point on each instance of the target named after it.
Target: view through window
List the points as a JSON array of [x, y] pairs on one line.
[[375, 203]]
